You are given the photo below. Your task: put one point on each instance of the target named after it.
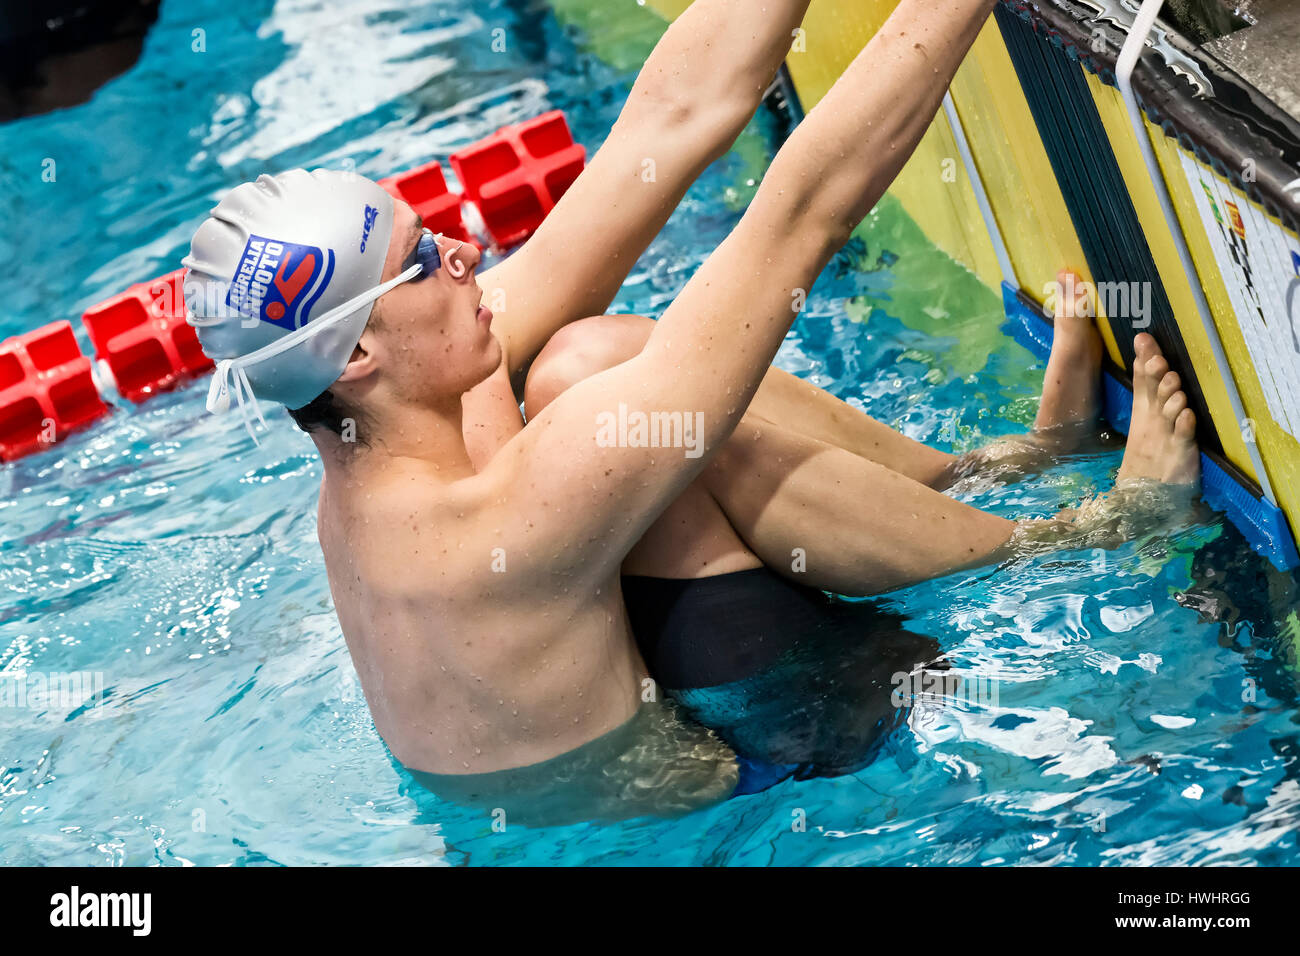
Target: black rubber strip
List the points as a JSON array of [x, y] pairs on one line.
[[1223, 130], [1096, 195]]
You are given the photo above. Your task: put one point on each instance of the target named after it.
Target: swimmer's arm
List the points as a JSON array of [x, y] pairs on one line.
[[696, 92], [578, 465], [715, 342]]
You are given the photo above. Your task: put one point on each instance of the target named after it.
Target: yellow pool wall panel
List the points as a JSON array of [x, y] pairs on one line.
[[1012, 163], [933, 187]]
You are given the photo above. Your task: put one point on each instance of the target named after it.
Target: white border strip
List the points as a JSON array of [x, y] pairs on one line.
[[981, 197]]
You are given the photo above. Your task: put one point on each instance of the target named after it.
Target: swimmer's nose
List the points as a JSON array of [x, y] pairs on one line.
[[460, 259]]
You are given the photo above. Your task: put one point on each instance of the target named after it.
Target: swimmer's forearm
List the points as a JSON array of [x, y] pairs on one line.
[[696, 92], [721, 55], [842, 158], [729, 321]]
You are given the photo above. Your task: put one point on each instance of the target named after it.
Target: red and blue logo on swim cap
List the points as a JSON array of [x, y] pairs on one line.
[[279, 282]]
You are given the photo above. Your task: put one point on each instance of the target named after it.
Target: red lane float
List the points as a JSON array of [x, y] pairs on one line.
[[143, 337], [425, 190], [518, 174], [515, 177], [46, 390]]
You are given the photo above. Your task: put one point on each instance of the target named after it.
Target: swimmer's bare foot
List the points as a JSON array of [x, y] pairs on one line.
[[1162, 436], [1158, 480], [1071, 401]]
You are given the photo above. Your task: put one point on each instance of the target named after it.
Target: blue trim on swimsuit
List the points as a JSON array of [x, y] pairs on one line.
[[757, 776]]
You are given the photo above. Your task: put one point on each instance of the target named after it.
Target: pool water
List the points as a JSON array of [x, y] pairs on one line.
[[1145, 708]]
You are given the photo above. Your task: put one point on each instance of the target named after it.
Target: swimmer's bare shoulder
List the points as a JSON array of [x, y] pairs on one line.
[[493, 531], [475, 652]]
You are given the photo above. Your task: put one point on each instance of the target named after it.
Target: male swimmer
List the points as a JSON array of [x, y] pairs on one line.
[[479, 565]]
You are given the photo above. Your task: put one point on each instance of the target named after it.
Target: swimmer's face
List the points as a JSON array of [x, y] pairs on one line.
[[429, 337]]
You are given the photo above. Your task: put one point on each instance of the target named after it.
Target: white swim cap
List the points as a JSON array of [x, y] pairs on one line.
[[283, 275]]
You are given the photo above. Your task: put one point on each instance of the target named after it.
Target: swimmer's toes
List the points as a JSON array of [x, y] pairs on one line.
[[1072, 302], [1147, 373], [1186, 461], [1144, 346], [1168, 385], [1176, 405]]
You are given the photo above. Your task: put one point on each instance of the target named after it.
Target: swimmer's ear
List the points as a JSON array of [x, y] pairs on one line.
[[360, 365]]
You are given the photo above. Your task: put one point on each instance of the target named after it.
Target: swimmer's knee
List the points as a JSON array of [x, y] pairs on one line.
[[550, 376], [580, 350]]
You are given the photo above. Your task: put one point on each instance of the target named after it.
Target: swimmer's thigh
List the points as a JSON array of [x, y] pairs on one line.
[[692, 536], [822, 515], [588, 346], [834, 520]]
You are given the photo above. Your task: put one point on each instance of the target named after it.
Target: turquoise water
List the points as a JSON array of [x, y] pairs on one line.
[[1143, 712]]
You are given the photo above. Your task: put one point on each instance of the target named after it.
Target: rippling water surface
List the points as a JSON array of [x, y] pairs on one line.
[[1145, 711]]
